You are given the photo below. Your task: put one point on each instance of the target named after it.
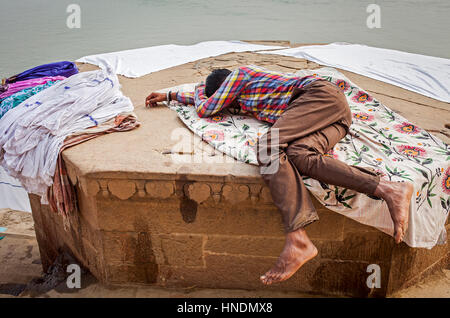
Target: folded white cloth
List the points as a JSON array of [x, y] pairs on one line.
[[139, 62], [32, 134], [426, 75]]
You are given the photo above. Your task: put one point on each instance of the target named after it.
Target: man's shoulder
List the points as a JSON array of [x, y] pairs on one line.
[[252, 70], [252, 67]]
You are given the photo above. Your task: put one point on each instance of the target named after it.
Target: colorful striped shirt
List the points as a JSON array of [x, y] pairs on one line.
[[258, 91]]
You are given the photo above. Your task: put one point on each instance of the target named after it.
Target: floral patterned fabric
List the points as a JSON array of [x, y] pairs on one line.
[[379, 139]]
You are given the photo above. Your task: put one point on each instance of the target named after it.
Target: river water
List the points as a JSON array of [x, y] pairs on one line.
[[35, 32]]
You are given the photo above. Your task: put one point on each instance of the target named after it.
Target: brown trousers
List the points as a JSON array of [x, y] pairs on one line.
[[317, 117]]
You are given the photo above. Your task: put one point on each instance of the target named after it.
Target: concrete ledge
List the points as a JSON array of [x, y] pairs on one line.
[[169, 233]]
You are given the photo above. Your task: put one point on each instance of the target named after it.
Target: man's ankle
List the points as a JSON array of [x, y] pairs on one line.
[[381, 189], [298, 237]]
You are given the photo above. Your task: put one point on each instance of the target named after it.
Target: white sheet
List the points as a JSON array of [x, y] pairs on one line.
[[12, 194], [426, 75], [140, 62]]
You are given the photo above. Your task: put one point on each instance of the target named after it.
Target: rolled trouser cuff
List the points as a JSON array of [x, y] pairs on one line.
[[301, 220]]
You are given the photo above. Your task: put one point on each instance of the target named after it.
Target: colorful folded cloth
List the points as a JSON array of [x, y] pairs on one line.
[[15, 99], [18, 86], [64, 68]]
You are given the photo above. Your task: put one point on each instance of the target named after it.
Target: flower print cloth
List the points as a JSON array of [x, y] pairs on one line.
[[32, 134], [379, 139], [64, 68], [426, 75], [18, 86], [15, 99]]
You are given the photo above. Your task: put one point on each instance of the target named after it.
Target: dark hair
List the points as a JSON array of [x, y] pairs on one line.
[[214, 80]]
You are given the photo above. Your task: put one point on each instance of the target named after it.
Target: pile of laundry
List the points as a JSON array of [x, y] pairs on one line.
[[49, 108]]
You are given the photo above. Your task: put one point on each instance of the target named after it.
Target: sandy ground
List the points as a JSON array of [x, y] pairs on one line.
[[21, 267]]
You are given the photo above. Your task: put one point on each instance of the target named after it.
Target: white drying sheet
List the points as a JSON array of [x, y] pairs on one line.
[[426, 75], [140, 62], [12, 194]]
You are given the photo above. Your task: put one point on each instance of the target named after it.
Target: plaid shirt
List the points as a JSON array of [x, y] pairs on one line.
[[258, 91]]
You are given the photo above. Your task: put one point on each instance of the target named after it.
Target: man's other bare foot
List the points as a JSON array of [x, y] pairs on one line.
[[398, 198], [298, 249]]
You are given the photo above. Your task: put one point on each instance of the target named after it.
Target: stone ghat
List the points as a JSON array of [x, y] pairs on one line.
[[217, 235], [144, 219]]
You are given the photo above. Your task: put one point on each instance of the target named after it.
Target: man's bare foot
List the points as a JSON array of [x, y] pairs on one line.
[[298, 249], [398, 198]]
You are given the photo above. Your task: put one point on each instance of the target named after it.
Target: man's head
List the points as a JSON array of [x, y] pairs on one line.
[[214, 80]]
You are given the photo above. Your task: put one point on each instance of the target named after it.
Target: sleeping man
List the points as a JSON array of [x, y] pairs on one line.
[[308, 116]]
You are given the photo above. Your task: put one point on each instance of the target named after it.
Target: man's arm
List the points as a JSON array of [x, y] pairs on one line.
[[223, 97], [184, 98], [232, 86]]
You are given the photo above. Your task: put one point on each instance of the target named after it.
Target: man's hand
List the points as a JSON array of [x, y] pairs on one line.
[[154, 98]]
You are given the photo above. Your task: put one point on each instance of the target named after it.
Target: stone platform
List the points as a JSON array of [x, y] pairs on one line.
[[144, 219]]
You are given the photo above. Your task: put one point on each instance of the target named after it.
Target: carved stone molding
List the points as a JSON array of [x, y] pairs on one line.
[[140, 186], [159, 189], [104, 187], [162, 189], [216, 189], [235, 193], [198, 191], [91, 187], [255, 192], [265, 196], [122, 189]]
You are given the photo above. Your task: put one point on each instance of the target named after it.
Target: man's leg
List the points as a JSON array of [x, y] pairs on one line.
[[318, 119], [317, 107], [305, 155], [312, 109]]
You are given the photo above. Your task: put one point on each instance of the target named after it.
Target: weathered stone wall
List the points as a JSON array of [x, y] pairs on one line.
[[217, 235]]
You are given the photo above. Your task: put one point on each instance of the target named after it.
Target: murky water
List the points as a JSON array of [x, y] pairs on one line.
[[35, 32]]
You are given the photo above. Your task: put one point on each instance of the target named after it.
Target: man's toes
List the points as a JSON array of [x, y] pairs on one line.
[[278, 277], [267, 277], [273, 277], [268, 280]]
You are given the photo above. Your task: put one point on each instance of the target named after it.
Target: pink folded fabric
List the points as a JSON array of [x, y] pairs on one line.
[[18, 86]]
